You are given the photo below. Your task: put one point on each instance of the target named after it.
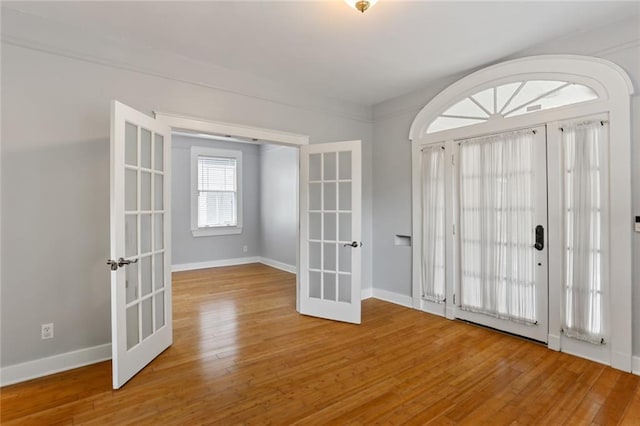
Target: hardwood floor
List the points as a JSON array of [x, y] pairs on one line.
[[241, 354]]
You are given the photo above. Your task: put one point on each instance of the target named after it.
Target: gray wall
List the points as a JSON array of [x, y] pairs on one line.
[[619, 43], [278, 203], [189, 249], [55, 180]]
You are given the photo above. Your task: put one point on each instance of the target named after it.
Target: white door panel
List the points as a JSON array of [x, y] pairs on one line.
[[522, 278], [330, 230], [140, 241]]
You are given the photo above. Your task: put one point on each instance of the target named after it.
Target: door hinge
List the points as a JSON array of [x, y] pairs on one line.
[[454, 299]]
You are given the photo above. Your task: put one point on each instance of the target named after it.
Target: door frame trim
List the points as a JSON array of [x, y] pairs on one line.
[[247, 134], [616, 101]]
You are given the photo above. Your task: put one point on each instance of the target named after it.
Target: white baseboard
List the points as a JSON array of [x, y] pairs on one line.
[[366, 293], [390, 296], [54, 364], [554, 342], [214, 263], [635, 365], [622, 361], [279, 265]]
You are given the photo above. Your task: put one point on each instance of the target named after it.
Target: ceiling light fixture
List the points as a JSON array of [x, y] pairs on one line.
[[361, 5]]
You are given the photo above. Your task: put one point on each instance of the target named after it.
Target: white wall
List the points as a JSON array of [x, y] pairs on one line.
[[189, 249], [619, 43], [278, 203], [55, 168]]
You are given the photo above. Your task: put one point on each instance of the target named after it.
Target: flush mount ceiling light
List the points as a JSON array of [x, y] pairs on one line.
[[361, 5]]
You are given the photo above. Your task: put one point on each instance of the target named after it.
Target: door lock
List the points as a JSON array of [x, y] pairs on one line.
[[120, 263], [539, 245]]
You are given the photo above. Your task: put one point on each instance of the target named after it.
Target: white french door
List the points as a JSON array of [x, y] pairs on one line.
[[502, 217], [140, 241], [330, 230]]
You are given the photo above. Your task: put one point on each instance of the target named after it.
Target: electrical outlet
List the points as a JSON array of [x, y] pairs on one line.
[[46, 331], [245, 249]]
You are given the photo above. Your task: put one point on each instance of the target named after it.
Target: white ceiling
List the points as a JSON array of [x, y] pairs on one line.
[[395, 47]]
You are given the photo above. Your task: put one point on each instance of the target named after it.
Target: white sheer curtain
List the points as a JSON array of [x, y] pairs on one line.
[[496, 226], [433, 272], [584, 147]]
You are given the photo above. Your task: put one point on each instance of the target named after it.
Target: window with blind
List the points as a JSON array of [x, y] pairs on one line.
[[216, 191]]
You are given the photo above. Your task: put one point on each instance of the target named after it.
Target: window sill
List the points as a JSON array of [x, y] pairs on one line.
[[213, 231]]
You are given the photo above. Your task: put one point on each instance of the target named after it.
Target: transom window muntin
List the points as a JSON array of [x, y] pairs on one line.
[[511, 99]]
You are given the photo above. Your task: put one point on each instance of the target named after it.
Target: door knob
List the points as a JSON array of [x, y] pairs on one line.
[[120, 263], [353, 244]]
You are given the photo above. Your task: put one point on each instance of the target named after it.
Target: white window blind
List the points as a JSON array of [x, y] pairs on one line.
[[217, 192], [433, 272], [585, 147]]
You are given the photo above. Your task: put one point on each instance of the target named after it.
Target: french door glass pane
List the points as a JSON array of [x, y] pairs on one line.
[[329, 196], [159, 269], [158, 237], [315, 196], [132, 282], [330, 226], [329, 166], [345, 196], [344, 288], [158, 189], [315, 285], [158, 155], [329, 286], [329, 257], [159, 297], [145, 148], [344, 258], [315, 226], [131, 235], [147, 318], [344, 162], [315, 167], [131, 144], [315, 255], [130, 190], [145, 275], [145, 233], [145, 191], [133, 332]]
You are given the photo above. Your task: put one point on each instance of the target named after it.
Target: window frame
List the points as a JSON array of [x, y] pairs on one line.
[[200, 151]]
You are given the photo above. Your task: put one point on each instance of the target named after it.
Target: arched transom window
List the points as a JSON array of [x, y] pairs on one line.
[[510, 100]]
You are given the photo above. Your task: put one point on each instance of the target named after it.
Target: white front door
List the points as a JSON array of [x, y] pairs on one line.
[[502, 281], [330, 230], [140, 245]]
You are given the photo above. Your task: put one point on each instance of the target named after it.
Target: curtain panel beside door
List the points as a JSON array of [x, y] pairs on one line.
[[433, 211], [585, 231]]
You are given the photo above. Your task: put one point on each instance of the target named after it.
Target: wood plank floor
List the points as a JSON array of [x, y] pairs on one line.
[[241, 354]]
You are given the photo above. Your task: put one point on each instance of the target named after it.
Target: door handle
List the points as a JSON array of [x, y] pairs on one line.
[[539, 245], [120, 263], [354, 244]]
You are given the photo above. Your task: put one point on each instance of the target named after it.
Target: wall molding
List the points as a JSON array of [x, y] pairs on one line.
[[366, 293], [635, 365], [279, 265], [215, 263], [393, 297], [36, 33], [54, 364]]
